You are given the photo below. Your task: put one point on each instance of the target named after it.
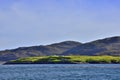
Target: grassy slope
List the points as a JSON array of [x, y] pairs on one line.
[[66, 59]]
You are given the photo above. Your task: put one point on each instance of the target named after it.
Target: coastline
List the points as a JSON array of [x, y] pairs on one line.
[[67, 60]]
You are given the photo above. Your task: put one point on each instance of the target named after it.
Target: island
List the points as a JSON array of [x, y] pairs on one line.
[[77, 59]]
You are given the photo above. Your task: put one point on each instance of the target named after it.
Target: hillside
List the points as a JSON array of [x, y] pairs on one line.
[[107, 46], [53, 49]]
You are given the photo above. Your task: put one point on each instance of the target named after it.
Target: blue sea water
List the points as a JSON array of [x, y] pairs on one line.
[[60, 72]]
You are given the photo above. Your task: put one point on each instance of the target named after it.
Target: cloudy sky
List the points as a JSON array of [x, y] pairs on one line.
[[41, 22]]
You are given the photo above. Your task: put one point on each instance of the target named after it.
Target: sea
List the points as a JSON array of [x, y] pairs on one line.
[[60, 72]]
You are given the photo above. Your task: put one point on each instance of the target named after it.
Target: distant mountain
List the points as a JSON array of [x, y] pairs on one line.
[[53, 49], [107, 46]]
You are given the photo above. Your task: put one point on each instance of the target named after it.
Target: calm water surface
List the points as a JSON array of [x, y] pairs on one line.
[[60, 72]]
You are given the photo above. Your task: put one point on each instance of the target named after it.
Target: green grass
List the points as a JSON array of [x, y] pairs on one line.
[[68, 59]]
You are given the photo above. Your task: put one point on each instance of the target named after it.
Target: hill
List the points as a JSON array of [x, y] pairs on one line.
[[53, 49], [107, 46]]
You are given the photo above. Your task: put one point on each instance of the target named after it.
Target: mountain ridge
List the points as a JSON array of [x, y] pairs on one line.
[[106, 46]]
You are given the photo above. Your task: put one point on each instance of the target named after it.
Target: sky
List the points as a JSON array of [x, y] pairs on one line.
[[42, 22]]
